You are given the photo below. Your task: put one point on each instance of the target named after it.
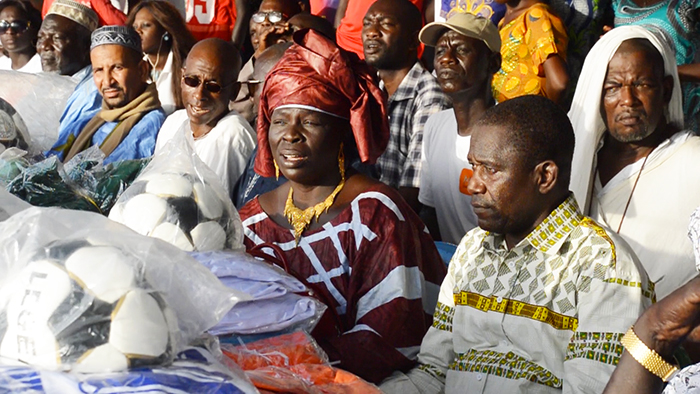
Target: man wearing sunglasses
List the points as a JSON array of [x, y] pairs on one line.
[[222, 139], [127, 124], [269, 20]]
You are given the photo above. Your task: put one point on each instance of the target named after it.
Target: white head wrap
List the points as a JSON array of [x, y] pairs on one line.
[[585, 113]]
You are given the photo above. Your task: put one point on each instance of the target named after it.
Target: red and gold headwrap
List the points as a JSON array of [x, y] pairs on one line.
[[315, 73]]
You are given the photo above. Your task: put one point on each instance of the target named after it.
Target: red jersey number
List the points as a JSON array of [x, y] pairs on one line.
[[202, 10]]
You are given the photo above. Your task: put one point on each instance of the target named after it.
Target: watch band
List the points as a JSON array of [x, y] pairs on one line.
[[648, 358]]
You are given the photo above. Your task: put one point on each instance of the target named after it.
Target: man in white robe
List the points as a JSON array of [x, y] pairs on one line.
[[222, 139], [634, 167]]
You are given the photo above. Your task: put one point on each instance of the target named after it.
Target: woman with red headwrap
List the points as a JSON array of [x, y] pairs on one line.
[[353, 239]]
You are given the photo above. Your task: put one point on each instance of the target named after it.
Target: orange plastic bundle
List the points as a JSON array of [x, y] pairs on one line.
[[294, 363], [283, 350], [309, 378]]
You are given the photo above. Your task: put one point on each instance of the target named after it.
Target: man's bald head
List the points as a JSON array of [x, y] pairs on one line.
[[209, 82], [219, 54]]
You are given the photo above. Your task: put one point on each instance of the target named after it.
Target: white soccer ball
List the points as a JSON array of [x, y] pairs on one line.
[[85, 308], [179, 209]]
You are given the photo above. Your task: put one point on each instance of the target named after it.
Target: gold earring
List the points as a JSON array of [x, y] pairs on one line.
[[277, 170], [341, 161]]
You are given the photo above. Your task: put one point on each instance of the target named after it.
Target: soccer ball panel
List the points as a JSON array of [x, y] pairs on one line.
[[41, 288], [169, 185], [208, 236], [173, 234], [104, 270], [33, 344], [144, 212], [104, 358], [139, 328]]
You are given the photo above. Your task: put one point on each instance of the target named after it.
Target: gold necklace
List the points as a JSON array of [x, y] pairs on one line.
[[299, 219]]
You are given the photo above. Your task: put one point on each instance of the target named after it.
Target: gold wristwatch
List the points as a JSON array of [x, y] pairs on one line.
[[648, 358]]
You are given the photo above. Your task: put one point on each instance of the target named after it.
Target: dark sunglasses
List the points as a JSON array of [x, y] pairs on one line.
[[209, 86], [272, 16], [17, 26], [253, 85]]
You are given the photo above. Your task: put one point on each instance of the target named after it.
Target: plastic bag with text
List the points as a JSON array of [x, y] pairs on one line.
[[194, 370], [79, 292], [180, 200]]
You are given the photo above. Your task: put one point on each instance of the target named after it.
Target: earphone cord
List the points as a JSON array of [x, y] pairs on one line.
[[155, 69]]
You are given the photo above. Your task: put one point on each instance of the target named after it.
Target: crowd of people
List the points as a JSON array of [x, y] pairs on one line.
[[551, 142]]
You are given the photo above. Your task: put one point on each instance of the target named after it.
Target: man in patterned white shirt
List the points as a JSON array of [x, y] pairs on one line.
[[538, 297], [390, 41]]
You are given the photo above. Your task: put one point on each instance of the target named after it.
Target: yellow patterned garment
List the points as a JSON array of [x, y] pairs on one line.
[[527, 42], [545, 316]]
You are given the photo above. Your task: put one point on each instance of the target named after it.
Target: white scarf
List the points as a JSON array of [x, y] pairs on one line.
[[585, 113]]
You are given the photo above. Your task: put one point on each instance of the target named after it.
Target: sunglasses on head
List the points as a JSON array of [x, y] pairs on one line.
[[17, 26], [272, 16], [210, 86]]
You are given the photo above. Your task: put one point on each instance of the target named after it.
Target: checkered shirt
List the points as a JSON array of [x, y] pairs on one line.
[[417, 97]]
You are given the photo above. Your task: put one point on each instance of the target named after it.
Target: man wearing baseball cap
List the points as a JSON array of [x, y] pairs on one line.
[[467, 54]]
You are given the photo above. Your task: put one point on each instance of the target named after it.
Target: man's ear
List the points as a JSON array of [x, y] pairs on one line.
[[494, 62], [546, 176], [415, 42], [144, 67], [235, 87], [668, 88]]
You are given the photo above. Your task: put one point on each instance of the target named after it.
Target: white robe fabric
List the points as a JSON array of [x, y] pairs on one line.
[[165, 87], [33, 66], [585, 109], [656, 222], [225, 149]]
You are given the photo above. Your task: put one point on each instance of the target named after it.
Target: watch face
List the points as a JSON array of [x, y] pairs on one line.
[[12, 127]]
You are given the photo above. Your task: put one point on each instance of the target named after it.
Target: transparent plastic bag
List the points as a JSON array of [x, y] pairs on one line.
[[194, 370], [283, 351], [13, 162], [83, 183], [178, 199], [278, 301], [80, 292], [40, 100], [293, 363], [10, 205]]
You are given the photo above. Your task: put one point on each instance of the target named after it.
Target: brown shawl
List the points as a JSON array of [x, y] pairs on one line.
[[127, 116]]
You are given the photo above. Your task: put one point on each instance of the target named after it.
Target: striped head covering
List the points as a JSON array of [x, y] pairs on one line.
[[78, 13], [116, 35]]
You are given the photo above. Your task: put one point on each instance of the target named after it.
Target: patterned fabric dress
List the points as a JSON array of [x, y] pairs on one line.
[[545, 316], [377, 263], [677, 20], [527, 42]]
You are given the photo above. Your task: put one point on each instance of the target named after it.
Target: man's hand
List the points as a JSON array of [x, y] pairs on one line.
[[271, 35], [675, 319]]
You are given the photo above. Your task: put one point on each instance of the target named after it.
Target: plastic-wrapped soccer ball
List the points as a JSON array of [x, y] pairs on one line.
[[179, 209], [85, 307]]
